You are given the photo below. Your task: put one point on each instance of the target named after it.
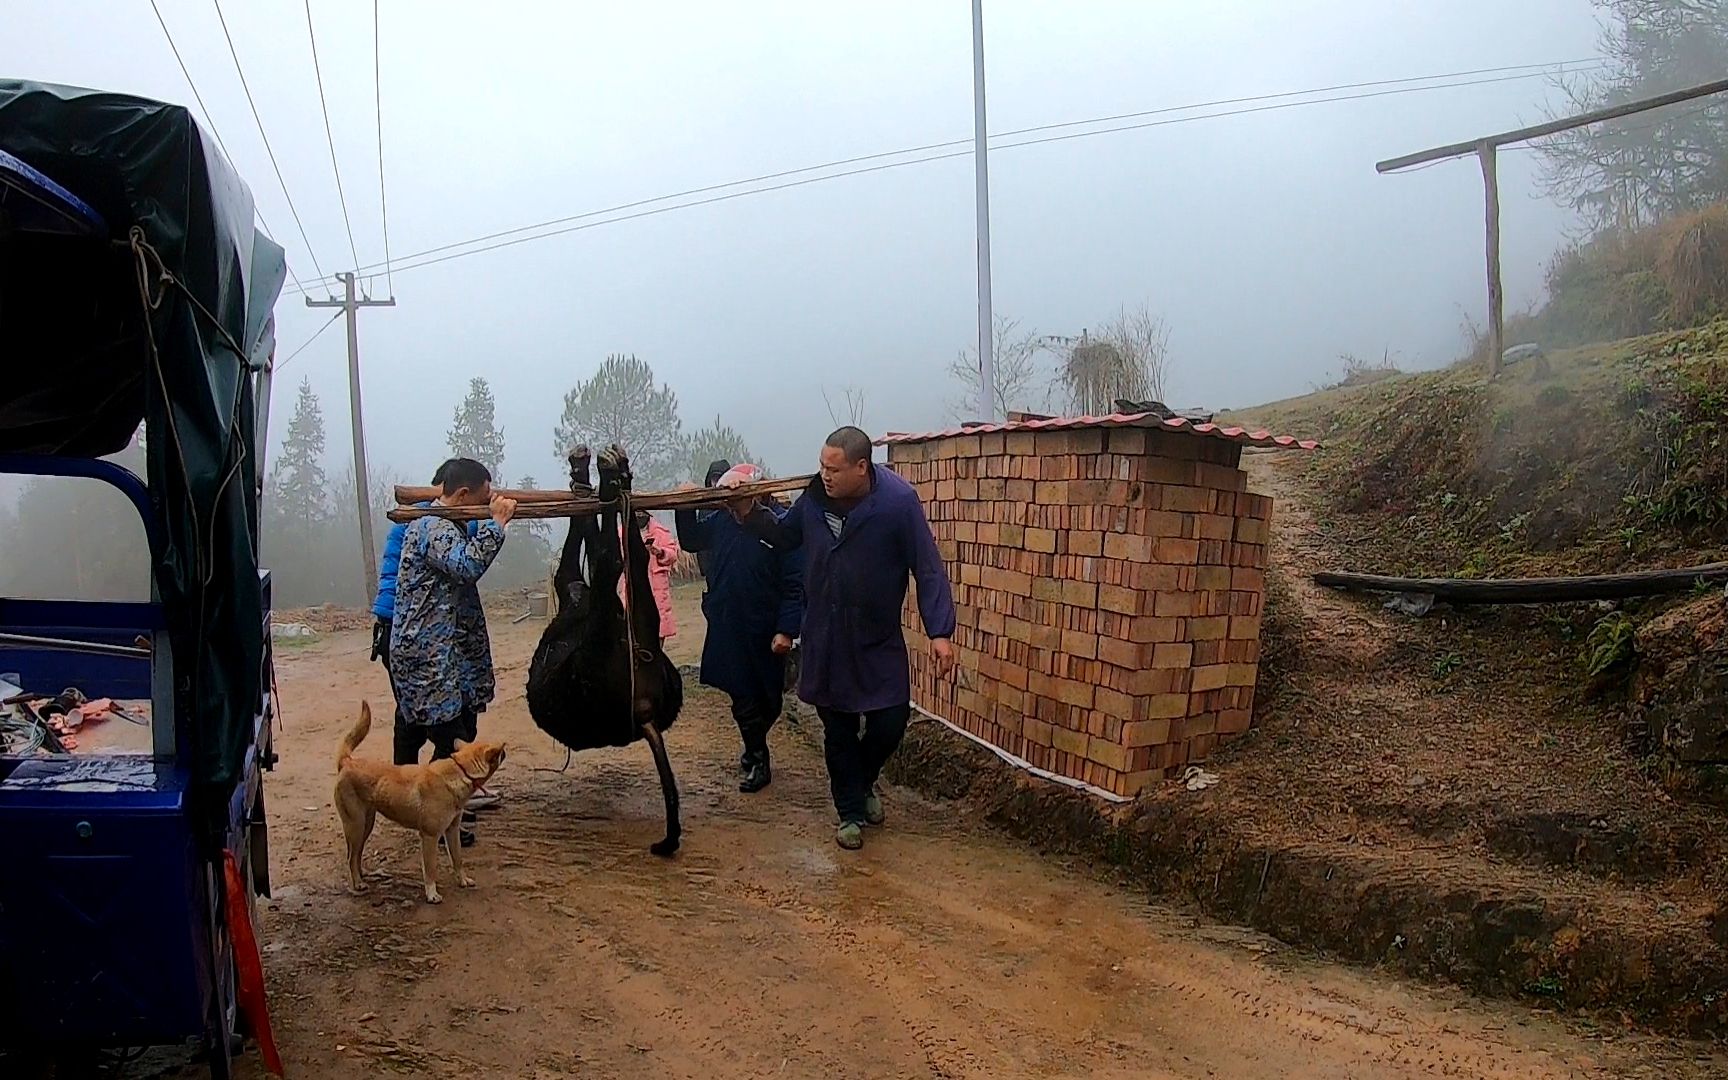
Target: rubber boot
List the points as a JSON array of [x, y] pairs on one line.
[[755, 772]]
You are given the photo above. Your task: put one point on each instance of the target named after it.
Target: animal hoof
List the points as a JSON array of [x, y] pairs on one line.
[[665, 848], [467, 883], [359, 887], [432, 897], [579, 459]]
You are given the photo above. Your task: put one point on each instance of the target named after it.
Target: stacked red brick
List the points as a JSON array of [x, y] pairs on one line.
[[1110, 584]]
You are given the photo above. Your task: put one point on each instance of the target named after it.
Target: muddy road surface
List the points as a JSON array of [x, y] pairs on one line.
[[763, 950]]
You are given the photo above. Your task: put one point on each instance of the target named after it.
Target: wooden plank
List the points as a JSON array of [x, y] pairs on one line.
[[568, 505], [1552, 127], [1558, 590]]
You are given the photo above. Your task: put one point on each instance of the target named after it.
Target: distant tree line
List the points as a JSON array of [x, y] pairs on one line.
[[79, 539]]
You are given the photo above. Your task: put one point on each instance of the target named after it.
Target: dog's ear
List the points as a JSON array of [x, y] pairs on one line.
[[365, 710], [459, 744]]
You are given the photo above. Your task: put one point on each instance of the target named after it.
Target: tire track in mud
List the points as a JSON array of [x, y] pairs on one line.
[[945, 1056]]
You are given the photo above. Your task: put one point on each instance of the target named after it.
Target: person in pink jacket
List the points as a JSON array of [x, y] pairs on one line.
[[663, 555]]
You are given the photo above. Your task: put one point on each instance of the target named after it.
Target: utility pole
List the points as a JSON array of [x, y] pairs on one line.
[[981, 169], [351, 305]]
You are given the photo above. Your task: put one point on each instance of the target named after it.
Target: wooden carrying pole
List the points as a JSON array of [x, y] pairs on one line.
[[555, 504], [1558, 590]]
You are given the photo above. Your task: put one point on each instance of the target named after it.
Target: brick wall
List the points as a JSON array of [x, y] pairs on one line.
[[1110, 583]]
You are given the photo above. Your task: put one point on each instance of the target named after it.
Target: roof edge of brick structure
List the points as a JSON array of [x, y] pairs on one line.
[[1178, 424]]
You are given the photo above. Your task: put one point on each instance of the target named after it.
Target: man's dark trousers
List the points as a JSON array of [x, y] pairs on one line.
[[856, 746]]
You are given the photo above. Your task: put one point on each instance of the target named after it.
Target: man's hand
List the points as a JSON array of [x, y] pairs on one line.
[[943, 651], [503, 510], [782, 644]]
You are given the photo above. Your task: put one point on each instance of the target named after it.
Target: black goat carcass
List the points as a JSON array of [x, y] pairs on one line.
[[599, 676]]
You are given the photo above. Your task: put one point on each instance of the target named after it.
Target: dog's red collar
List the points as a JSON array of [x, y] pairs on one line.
[[475, 781]]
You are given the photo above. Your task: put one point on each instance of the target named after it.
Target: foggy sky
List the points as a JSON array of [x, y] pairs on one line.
[[1267, 241]]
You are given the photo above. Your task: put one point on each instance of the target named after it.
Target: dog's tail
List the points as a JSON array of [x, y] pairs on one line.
[[356, 735]]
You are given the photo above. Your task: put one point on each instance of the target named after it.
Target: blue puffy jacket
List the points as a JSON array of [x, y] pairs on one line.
[[384, 607]]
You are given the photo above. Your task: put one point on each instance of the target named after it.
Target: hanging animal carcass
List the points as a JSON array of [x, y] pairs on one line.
[[599, 676]]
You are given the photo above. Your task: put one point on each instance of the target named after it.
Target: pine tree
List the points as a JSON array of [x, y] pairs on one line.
[[718, 442], [299, 485], [620, 404], [536, 526], [474, 432]]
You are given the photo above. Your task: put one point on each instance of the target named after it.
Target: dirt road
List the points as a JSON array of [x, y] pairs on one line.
[[763, 950]]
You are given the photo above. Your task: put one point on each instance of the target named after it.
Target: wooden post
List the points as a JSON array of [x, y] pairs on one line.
[[1491, 193]]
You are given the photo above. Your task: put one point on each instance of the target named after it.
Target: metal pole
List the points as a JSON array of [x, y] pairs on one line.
[[981, 169]]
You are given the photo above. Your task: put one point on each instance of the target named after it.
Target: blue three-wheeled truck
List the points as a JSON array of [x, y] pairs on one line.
[[135, 303]]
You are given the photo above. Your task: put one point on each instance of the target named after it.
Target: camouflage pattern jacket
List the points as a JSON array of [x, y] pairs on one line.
[[440, 655]]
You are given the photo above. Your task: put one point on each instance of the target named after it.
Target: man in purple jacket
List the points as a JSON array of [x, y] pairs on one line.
[[864, 534]]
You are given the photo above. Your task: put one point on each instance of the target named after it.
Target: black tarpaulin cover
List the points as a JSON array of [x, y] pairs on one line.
[[79, 374]]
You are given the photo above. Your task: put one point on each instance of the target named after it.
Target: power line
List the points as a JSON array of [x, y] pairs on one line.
[[210, 121], [1545, 69], [319, 333], [259, 120], [330, 136], [439, 251], [378, 104]]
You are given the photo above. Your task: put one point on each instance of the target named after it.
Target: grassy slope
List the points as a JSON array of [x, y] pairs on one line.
[[1607, 457]]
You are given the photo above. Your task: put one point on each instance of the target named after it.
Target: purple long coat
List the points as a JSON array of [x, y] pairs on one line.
[[853, 649]]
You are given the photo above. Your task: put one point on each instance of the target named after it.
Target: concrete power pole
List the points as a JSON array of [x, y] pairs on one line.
[[981, 167], [351, 305]]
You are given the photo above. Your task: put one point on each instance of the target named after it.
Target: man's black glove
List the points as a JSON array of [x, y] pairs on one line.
[[381, 641]]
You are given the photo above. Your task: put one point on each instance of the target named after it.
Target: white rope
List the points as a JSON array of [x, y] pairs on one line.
[[1022, 763]]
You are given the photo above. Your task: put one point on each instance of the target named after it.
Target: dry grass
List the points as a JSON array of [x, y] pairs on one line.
[[1611, 457], [1694, 263]]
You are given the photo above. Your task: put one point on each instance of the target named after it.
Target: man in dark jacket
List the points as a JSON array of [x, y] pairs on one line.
[[754, 605], [716, 469], [864, 535]]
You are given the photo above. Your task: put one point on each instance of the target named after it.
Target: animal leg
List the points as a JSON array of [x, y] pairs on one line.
[[668, 787], [356, 828], [645, 614], [453, 841], [429, 866], [604, 557], [569, 572]]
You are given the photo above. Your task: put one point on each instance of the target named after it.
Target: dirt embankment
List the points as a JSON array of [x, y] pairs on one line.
[[1425, 796]]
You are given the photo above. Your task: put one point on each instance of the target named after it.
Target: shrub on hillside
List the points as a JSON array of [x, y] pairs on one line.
[[1694, 264], [1626, 283]]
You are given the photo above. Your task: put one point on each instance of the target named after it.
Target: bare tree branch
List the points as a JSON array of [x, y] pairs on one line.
[[1018, 377], [851, 414]]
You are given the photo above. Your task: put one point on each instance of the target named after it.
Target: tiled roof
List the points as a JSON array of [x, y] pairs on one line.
[[1141, 420]]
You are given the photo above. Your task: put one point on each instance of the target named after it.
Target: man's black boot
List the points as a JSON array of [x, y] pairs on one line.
[[755, 774]]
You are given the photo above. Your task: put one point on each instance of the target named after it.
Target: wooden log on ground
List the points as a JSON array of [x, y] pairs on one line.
[[1551, 590], [567, 505]]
